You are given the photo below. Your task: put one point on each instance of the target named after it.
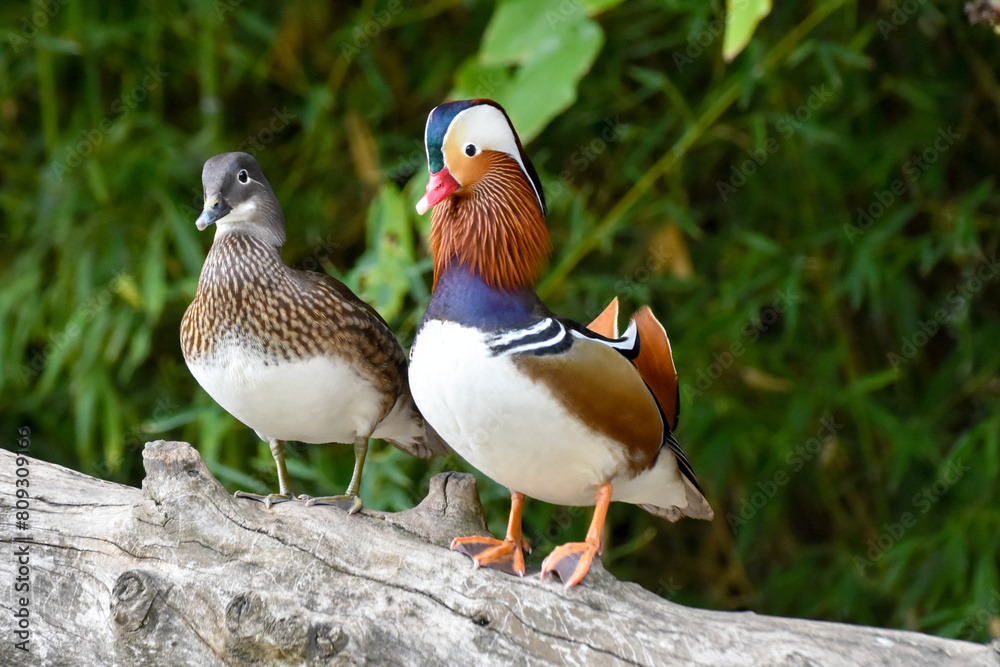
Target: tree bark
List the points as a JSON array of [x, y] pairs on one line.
[[181, 573]]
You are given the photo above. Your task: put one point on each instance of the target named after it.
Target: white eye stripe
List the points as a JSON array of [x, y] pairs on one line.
[[492, 131]]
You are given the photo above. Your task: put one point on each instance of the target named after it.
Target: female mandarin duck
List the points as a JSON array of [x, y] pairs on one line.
[[541, 404], [295, 355]]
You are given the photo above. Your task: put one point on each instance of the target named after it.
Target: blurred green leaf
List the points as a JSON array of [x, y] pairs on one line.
[[378, 273], [552, 44], [742, 17]]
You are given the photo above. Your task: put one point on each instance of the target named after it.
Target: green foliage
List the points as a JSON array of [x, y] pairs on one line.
[[815, 223], [741, 20], [552, 44]]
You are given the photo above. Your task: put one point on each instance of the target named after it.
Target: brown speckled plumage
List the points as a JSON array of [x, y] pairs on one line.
[[246, 291], [260, 335]]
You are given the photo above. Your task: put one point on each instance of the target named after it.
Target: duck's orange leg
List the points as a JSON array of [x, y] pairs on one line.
[[504, 555], [572, 561]]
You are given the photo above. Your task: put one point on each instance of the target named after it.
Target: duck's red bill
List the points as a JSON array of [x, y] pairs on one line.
[[440, 186]]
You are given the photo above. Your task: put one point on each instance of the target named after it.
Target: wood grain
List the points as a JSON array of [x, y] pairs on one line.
[[181, 573]]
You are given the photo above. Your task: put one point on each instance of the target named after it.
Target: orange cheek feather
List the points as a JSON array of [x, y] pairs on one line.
[[493, 223]]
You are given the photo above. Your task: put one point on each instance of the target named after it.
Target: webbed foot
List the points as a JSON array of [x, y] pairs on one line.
[[268, 500], [570, 561], [349, 502], [504, 555]]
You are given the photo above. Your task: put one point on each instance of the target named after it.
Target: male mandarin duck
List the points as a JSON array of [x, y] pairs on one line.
[[539, 403], [294, 355]]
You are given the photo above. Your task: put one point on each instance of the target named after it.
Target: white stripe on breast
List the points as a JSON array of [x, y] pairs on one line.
[[510, 336]]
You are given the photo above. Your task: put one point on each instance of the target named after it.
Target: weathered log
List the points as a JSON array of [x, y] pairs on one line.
[[181, 573]]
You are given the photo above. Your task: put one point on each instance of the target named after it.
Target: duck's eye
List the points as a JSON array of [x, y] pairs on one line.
[[243, 176], [470, 150]]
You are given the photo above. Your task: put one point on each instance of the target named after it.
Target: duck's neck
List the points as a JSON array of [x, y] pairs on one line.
[[494, 227], [236, 258], [461, 295]]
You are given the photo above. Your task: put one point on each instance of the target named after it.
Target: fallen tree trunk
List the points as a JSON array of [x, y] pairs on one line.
[[181, 573]]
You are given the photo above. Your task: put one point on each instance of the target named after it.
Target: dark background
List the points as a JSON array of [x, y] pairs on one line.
[[815, 223]]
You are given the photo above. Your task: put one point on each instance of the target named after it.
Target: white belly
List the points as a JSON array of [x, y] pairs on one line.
[[316, 401], [503, 423]]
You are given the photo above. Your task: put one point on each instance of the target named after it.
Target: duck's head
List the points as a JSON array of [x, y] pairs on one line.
[[239, 199], [489, 207], [465, 140]]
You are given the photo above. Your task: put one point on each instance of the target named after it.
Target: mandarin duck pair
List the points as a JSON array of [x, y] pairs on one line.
[[549, 408]]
